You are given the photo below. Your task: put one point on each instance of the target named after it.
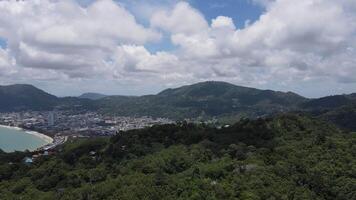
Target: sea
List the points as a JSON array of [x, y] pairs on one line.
[[12, 139]]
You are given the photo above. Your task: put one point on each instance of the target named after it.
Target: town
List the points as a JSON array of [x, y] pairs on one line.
[[64, 125], [58, 124]]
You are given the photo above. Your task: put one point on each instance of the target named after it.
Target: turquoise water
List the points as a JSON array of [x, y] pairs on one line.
[[12, 139]]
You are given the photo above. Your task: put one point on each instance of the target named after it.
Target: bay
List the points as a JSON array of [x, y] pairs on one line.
[[12, 139]]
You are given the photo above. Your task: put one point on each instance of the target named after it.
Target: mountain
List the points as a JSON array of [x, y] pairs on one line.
[[205, 99], [337, 109], [25, 97], [344, 116], [330, 102], [20, 97], [92, 96]]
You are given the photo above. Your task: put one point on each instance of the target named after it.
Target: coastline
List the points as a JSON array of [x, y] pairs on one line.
[[42, 136]]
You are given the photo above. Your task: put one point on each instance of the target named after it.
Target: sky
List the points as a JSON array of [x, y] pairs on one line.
[[136, 47]]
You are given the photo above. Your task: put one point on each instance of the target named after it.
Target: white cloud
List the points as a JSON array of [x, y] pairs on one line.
[[131, 58], [5, 63], [292, 43], [63, 36], [181, 19], [223, 22]]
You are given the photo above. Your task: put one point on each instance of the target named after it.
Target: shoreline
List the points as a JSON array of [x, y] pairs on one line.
[[42, 136]]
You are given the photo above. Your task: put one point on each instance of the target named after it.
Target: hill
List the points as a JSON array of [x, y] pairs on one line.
[[206, 99], [337, 109], [344, 116], [22, 97], [284, 157], [92, 96], [330, 102], [25, 97]]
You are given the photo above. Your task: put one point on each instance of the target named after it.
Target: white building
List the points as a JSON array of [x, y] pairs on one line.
[[51, 118]]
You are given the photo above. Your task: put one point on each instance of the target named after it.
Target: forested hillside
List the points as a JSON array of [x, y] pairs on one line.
[[205, 99], [338, 109], [284, 157], [24, 97]]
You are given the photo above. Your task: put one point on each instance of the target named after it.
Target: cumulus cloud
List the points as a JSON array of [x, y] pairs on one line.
[[63, 36], [181, 19], [5, 63], [301, 40], [139, 59], [292, 43], [223, 22]]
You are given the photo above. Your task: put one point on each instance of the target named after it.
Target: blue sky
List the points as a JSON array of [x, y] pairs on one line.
[[2, 43], [239, 10]]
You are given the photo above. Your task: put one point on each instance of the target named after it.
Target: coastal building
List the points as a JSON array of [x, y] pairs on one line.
[[51, 118]]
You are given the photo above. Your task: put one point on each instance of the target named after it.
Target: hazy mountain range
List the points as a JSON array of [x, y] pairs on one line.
[[201, 100]]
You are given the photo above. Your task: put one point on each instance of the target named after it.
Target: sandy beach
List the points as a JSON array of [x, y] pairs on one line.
[[43, 137]]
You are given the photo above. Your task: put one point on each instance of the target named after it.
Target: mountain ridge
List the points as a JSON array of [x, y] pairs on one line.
[[212, 98], [203, 100]]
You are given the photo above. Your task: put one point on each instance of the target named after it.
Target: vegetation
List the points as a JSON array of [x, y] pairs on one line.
[[22, 97], [344, 116], [339, 110], [205, 99], [92, 96], [284, 157]]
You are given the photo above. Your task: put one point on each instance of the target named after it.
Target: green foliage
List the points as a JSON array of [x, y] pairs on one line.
[[284, 157], [21, 97], [344, 116]]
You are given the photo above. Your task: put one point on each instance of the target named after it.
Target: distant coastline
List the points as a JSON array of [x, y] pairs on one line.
[[42, 136]]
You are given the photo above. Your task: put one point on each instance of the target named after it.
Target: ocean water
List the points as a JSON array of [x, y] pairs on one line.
[[13, 139]]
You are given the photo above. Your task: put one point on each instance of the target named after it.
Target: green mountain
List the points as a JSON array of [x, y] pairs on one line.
[[344, 116], [92, 96], [206, 99], [338, 109], [284, 157], [25, 97], [22, 97], [330, 102]]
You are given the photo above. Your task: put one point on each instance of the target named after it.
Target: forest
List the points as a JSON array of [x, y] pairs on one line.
[[288, 156]]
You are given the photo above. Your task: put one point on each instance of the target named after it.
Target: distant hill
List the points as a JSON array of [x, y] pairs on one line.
[[92, 96], [25, 97], [344, 116], [330, 102], [22, 97], [205, 99], [338, 109]]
